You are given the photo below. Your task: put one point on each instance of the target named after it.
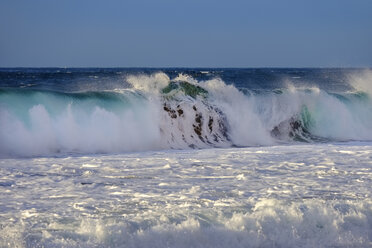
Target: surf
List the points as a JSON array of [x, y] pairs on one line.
[[158, 112]]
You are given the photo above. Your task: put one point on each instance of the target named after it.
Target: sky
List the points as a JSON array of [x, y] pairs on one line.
[[185, 33]]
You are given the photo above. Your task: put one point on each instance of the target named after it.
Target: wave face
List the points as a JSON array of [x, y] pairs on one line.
[[49, 112]]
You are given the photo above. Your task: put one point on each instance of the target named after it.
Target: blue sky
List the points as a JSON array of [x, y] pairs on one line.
[[180, 33]]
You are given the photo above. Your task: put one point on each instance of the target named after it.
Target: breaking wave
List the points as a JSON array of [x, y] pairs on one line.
[[158, 112]]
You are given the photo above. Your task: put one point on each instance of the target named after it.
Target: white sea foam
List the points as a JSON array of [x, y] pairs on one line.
[[246, 128], [235, 197], [75, 129]]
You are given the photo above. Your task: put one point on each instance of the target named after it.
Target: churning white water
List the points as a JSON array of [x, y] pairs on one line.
[[279, 196]]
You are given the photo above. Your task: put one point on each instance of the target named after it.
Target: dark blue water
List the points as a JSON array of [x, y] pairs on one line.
[[96, 79]]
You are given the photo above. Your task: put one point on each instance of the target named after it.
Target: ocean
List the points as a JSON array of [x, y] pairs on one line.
[[185, 157]]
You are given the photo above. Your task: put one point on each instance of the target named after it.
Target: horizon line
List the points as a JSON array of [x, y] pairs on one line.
[[183, 67]]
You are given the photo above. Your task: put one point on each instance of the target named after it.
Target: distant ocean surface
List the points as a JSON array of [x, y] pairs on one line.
[[113, 157]]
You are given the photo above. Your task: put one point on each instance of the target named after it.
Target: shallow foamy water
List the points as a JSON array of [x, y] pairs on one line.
[[313, 195]]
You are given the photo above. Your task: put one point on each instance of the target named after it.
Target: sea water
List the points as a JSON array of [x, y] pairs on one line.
[[185, 157]]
